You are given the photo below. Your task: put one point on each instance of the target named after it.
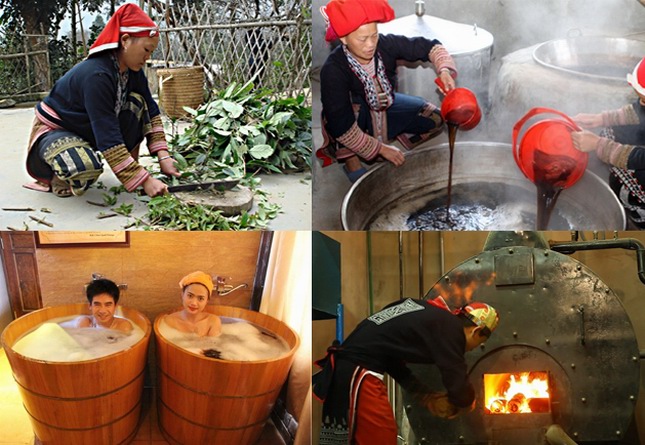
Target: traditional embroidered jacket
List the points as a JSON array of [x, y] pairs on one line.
[[83, 101], [338, 83]]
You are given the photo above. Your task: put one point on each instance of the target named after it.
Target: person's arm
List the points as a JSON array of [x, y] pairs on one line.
[[214, 326], [156, 136], [413, 49], [99, 99], [626, 115], [611, 152], [340, 121]]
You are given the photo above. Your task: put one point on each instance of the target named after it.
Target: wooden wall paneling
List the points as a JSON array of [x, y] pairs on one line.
[[21, 271]]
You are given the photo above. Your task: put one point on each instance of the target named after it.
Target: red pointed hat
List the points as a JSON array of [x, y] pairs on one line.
[[128, 19], [346, 16], [637, 78]]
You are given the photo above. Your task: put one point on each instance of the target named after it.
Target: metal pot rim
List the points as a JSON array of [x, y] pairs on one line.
[[542, 49], [443, 146]]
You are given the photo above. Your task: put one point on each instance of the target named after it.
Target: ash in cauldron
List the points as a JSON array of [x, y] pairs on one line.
[[562, 329], [488, 192]]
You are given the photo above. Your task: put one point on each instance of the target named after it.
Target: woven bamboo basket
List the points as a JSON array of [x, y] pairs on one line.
[[180, 87]]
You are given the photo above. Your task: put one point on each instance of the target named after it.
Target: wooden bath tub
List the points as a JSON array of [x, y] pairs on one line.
[[209, 401], [94, 401]]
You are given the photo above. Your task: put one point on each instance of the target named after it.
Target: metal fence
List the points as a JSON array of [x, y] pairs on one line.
[[24, 67], [268, 40]]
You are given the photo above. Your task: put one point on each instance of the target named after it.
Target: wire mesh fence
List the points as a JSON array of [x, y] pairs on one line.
[[268, 41], [24, 66]]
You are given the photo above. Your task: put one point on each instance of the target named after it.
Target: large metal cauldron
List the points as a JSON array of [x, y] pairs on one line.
[[470, 47], [483, 172], [602, 58], [556, 316], [577, 75]]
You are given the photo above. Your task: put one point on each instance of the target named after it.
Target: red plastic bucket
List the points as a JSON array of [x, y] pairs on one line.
[[545, 152]]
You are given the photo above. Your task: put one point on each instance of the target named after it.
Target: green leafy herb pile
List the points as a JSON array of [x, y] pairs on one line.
[[240, 130]]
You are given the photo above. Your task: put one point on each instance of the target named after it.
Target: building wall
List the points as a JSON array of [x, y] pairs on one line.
[[151, 267]]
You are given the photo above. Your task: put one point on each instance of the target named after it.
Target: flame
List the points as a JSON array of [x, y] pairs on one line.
[[525, 392], [460, 289]]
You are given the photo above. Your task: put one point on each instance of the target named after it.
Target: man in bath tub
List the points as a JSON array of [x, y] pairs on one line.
[[103, 296], [196, 289]]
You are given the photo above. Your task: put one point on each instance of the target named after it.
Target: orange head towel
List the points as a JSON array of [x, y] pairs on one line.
[[197, 277]]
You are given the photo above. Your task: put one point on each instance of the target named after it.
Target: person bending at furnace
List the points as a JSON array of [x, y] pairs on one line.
[[362, 112], [103, 296], [196, 289], [355, 404], [621, 144]]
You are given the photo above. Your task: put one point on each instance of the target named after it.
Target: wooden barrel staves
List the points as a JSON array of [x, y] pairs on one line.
[[209, 401], [180, 87], [75, 403]]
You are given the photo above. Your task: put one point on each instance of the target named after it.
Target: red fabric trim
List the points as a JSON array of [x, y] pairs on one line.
[[374, 422]]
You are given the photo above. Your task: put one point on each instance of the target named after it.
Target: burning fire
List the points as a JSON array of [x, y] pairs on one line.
[[525, 392]]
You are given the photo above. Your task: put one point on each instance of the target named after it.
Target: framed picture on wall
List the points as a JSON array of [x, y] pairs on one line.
[[61, 238]]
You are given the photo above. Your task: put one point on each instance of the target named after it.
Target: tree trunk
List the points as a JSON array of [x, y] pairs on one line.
[[74, 32], [37, 23]]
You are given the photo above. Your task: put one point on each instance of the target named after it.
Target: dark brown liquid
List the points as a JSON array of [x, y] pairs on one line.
[[452, 136], [551, 174]]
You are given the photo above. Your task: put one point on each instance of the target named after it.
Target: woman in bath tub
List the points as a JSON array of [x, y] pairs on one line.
[[196, 289], [103, 296]]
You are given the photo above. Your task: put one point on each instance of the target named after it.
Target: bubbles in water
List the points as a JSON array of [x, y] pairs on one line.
[[239, 340], [54, 342]]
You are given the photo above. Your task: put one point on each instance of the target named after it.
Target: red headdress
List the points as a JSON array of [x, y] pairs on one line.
[[128, 19], [637, 78], [346, 16]]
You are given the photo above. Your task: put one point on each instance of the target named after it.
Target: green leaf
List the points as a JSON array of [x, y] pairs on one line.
[[190, 111], [261, 151], [234, 110]]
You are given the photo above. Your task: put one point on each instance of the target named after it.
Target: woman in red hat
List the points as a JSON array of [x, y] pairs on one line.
[[356, 409], [102, 109], [621, 144], [362, 112]]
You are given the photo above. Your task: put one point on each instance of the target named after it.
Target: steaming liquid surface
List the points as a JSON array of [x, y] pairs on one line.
[[239, 340], [476, 206], [56, 341]]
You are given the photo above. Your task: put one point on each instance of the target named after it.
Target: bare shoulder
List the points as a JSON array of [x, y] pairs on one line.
[[123, 325], [83, 321], [175, 321], [214, 325]]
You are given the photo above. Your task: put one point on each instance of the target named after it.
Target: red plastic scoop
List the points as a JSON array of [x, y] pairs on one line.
[[459, 107], [545, 153]]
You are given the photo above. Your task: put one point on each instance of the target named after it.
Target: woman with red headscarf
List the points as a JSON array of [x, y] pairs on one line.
[[362, 112], [102, 108]]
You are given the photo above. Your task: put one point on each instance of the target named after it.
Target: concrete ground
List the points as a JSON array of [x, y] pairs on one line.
[[292, 192]]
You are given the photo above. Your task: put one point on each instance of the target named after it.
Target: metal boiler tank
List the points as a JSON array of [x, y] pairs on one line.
[[471, 48], [558, 322]]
